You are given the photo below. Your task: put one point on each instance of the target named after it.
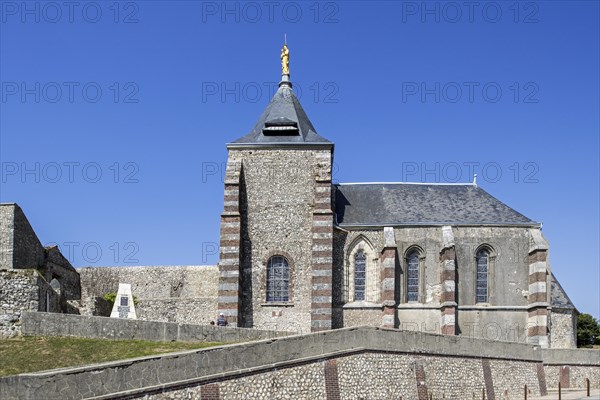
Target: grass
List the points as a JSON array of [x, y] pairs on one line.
[[30, 354]]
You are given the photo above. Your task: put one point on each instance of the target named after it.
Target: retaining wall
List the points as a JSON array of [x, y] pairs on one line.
[[348, 363]]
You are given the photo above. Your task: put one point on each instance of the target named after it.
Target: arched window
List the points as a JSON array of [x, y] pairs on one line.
[[481, 290], [412, 282], [278, 279], [362, 274], [360, 277]]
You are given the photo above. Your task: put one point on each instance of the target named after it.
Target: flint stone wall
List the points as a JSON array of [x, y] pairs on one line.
[[563, 329], [571, 367], [18, 293], [379, 362], [182, 294], [277, 204]]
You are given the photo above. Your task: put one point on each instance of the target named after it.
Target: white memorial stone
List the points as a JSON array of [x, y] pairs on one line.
[[124, 307]]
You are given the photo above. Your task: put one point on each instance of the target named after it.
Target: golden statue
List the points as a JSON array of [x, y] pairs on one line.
[[285, 60]]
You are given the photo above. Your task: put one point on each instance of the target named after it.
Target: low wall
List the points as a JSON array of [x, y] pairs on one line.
[[571, 367], [50, 324], [363, 362]]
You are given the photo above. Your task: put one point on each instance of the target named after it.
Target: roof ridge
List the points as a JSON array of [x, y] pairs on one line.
[[410, 183]]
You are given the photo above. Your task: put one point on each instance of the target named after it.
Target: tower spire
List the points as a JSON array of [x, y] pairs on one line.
[[285, 64]]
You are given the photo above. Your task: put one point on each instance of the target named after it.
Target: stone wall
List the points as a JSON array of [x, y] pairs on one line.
[[563, 323], [32, 277], [184, 294], [51, 324], [571, 367], [345, 363], [20, 248], [277, 202], [19, 292], [503, 317]]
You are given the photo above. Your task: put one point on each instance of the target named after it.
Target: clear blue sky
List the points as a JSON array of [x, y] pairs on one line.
[[147, 93]]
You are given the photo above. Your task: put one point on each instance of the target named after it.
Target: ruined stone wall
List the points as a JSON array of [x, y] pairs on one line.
[[186, 294], [19, 292], [20, 248], [277, 201]]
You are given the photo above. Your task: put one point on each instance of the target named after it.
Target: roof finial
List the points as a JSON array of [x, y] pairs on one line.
[[475, 180], [285, 64], [285, 58]]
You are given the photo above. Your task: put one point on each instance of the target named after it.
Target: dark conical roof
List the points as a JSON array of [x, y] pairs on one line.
[[283, 122]]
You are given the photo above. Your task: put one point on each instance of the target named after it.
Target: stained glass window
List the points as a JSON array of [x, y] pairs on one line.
[[278, 279], [482, 276], [412, 286], [360, 270]]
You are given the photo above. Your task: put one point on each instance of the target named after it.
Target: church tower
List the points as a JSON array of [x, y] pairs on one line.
[[275, 267]]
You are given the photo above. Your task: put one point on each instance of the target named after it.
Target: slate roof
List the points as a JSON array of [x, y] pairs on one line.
[[392, 204], [277, 123], [558, 296]]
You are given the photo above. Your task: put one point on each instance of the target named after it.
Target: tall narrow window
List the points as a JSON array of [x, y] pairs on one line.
[[278, 279], [482, 260], [412, 285], [360, 270]]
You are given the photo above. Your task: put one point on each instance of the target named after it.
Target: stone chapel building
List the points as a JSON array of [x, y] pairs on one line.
[[301, 253]]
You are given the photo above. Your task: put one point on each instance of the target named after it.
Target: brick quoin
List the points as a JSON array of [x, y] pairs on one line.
[[565, 376], [541, 375], [332, 386], [420, 380], [487, 378], [210, 392]]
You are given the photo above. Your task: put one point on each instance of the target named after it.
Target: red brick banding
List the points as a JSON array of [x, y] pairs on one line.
[[537, 330]]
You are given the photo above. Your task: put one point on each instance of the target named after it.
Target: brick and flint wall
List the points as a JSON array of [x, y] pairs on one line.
[[277, 202]]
